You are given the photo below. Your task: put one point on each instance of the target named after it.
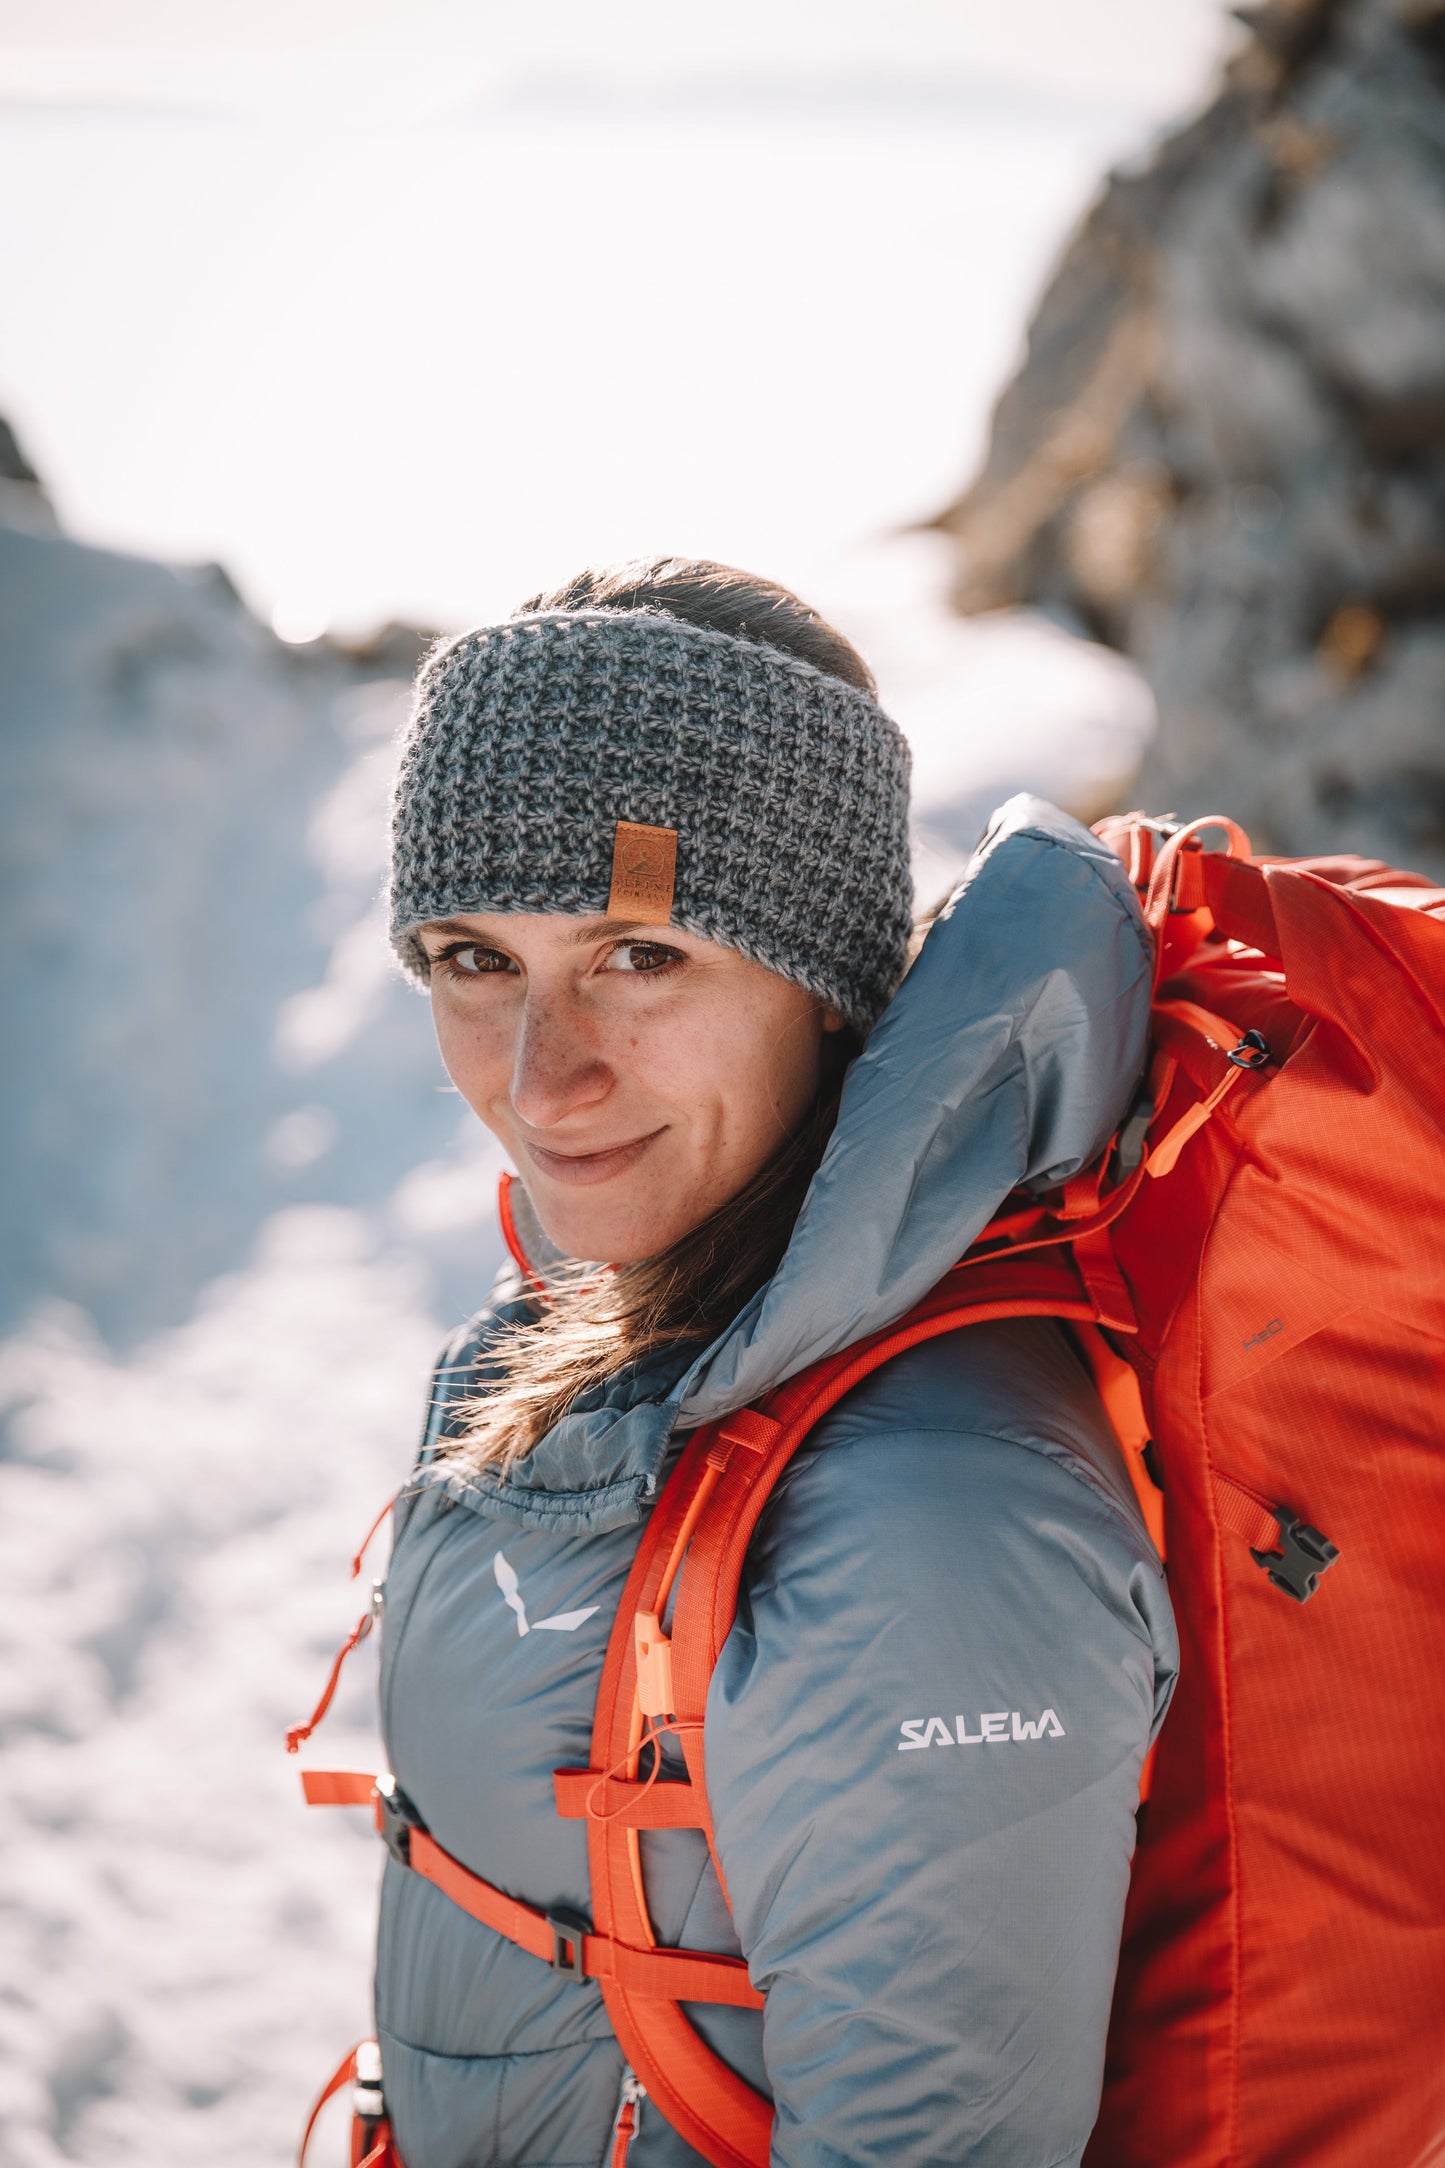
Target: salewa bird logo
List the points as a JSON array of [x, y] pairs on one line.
[[995, 1727], [565, 1622]]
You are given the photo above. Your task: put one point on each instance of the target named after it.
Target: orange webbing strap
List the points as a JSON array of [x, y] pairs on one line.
[[1039, 1228], [1243, 1514], [381, 2152], [653, 1974], [344, 2072], [1097, 1266], [338, 1787], [1048, 1285], [1240, 903], [713, 2109], [1176, 874], [1177, 878], [666, 1975], [708, 1512], [1118, 1389], [593, 1795]]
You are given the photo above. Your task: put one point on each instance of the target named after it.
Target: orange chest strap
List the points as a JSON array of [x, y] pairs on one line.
[[561, 1938]]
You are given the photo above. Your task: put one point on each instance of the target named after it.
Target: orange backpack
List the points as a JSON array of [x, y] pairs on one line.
[[1255, 1243]]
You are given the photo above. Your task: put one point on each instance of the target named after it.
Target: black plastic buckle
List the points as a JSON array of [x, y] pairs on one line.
[[1252, 1052], [398, 1819], [568, 1929], [1304, 1554]]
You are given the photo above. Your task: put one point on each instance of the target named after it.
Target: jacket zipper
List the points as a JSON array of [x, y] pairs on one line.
[[629, 2114]]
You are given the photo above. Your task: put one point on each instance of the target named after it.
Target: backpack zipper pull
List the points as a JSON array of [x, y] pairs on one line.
[[629, 2112], [1252, 1052]]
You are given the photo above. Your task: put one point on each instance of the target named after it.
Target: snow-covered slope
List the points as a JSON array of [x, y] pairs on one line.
[[185, 1949], [203, 1026]]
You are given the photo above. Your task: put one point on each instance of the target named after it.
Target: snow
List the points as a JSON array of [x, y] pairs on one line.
[[207, 1023], [186, 1950]]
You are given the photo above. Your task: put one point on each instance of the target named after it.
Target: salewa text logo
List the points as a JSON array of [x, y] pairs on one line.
[[565, 1622], [997, 1727]]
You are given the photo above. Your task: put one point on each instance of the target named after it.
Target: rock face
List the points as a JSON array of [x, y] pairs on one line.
[[202, 1024], [1224, 453]]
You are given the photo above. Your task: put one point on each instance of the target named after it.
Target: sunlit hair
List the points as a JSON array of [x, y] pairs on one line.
[[719, 597], [593, 1323]]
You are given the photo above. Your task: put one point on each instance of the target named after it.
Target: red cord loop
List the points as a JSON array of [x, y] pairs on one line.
[[651, 1737]]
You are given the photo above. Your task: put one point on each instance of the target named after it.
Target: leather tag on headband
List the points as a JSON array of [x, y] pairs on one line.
[[644, 868]]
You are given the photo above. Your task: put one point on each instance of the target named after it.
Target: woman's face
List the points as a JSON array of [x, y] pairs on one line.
[[637, 1076]]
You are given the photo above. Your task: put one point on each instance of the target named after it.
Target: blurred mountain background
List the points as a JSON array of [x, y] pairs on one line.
[[1225, 452], [397, 327], [206, 1026]]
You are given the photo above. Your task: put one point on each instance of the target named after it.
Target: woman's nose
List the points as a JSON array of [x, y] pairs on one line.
[[556, 1071]]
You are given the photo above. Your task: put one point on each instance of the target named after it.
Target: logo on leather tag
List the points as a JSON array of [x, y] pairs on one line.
[[644, 868]]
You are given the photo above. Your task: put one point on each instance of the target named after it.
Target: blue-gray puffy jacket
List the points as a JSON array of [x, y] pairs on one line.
[[955, 1552]]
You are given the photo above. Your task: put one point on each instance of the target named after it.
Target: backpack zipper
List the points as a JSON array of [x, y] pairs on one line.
[[629, 2114]]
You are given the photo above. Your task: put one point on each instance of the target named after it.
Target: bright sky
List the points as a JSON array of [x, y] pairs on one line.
[[409, 309], [1152, 53]]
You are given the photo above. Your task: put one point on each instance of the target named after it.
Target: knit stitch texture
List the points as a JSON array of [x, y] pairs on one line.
[[788, 789]]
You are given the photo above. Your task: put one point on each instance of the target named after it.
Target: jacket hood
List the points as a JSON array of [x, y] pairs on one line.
[[1007, 1058]]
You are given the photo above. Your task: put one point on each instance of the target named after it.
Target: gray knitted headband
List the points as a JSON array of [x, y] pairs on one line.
[[621, 761]]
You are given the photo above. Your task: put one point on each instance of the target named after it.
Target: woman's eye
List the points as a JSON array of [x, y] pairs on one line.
[[472, 962], [642, 956]]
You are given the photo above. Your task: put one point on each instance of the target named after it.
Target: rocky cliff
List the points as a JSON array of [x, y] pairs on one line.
[[1224, 453]]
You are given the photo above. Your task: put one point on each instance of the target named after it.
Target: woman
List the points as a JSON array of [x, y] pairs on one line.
[[651, 861]]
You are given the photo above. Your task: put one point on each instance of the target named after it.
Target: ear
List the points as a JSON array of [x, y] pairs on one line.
[[833, 1020]]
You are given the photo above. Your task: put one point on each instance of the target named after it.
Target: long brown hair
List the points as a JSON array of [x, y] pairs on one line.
[[595, 1323]]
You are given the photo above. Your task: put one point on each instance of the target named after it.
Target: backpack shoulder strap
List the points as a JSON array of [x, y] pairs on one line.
[[1045, 1284], [652, 1681]]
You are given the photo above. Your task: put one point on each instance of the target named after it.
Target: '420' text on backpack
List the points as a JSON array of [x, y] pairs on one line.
[[1256, 1275]]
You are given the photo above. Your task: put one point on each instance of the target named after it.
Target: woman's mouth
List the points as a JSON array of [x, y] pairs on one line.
[[581, 1168]]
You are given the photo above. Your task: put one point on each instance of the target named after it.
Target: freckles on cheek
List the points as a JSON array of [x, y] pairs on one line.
[[727, 1105], [473, 1056]]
